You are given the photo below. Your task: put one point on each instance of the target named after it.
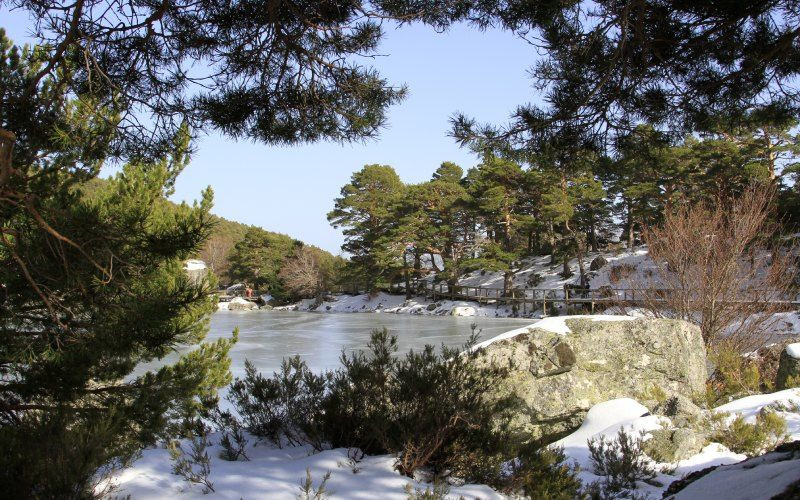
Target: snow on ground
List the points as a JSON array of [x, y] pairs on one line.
[[194, 265], [397, 304], [604, 420], [624, 269], [273, 473], [225, 306], [760, 477]]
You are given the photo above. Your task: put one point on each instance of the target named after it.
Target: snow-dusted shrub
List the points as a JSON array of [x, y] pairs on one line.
[[285, 408], [309, 492], [193, 465], [543, 473], [767, 432], [438, 491], [429, 408], [621, 461], [233, 440]]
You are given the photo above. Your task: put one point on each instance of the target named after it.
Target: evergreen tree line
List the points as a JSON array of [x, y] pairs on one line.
[[563, 200]]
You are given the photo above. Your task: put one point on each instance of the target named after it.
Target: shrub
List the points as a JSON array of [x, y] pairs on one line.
[[734, 376], [621, 461], [307, 490], [78, 458], [618, 272], [654, 393], [541, 473], [768, 431], [439, 491], [792, 382], [430, 409], [284, 408], [534, 280], [233, 440], [193, 465]]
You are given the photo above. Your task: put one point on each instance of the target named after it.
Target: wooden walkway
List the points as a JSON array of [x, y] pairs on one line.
[[540, 298]]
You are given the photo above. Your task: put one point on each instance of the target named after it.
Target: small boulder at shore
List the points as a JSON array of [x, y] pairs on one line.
[[240, 304], [789, 367], [560, 371], [598, 263], [463, 311]]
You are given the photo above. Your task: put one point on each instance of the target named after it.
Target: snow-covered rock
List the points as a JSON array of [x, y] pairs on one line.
[[766, 476], [240, 304], [462, 311], [276, 474]]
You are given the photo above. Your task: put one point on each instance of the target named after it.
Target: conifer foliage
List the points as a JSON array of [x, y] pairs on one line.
[[91, 286]]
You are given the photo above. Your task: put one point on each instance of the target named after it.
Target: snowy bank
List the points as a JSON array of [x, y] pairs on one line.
[[273, 473], [276, 474]]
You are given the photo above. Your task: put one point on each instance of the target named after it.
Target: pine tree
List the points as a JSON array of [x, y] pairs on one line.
[[366, 209], [611, 65], [428, 225], [497, 188], [92, 285]]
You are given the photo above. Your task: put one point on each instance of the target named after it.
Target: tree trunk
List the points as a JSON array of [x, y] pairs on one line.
[[631, 239], [580, 245], [7, 139], [593, 236], [417, 269], [407, 278]]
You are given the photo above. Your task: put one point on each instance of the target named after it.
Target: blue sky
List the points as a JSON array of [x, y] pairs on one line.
[[290, 190]]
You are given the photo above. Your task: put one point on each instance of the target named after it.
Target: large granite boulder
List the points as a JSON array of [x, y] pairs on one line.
[[558, 376]]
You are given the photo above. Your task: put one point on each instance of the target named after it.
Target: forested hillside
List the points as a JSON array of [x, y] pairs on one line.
[[238, 252]]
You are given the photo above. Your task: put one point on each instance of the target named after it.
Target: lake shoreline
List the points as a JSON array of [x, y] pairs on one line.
[[417, 306]]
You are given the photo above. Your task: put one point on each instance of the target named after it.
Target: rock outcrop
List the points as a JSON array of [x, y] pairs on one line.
[[462, 311], [240, 304], [557, 377], [598, 263], [788, 367]]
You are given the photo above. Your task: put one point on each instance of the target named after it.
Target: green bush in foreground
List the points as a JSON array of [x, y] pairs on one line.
[[768, 431], [428, 408]]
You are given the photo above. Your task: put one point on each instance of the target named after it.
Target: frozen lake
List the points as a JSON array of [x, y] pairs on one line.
[[266, 337]]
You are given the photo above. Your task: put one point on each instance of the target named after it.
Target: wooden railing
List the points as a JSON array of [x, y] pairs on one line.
[[541, 298]]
